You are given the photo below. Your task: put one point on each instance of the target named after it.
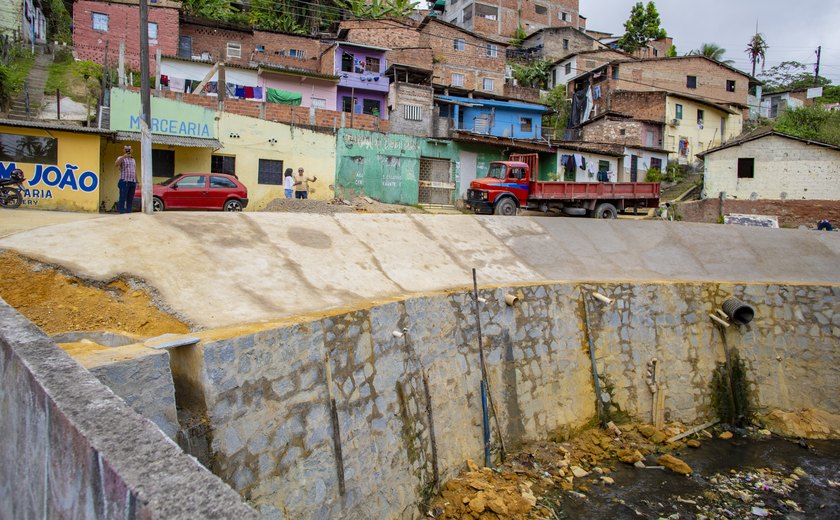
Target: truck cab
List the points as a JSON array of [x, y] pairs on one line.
[[502, 191]]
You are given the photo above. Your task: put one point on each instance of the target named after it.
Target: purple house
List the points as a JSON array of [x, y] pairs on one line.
[[362, 85]]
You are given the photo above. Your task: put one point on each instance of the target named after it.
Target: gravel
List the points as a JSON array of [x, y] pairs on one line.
[[331, 207]]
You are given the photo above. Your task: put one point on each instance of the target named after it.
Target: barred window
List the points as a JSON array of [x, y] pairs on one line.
[[270, 172], [413, 112]]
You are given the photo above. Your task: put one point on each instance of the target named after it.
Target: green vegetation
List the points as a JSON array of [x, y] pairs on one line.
[[791, 75], [534, 73], [518, 36], [560, 106], [13, 74], [59, 22], [673, 172], [757, 50], [812, 123], [831, 94], [713, 51], [79, 80], [641, 27], [672, 52], [733, 406], [653, 175]]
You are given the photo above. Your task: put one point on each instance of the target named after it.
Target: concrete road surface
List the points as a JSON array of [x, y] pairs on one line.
[[224, 269]]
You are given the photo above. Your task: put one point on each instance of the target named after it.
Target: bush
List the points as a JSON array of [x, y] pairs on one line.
[[5, 87], [63, 55], [673, 172], [653, 175]]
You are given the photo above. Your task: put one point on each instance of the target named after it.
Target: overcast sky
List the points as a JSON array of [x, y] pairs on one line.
[[793, 30]]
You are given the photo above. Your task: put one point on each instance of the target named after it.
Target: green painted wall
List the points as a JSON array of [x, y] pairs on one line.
[[385, 167], [10, 16], [168, 116]]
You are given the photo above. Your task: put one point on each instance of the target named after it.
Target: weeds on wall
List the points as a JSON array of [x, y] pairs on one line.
[[731, 401]]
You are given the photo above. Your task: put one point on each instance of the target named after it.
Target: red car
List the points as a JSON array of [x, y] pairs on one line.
[[205, 191]]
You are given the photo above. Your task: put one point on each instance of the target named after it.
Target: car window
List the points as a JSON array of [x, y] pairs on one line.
[[221, 182], [192, 181]]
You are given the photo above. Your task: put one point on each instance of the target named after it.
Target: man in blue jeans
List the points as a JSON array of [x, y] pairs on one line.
[[302, 184], [128, 180]]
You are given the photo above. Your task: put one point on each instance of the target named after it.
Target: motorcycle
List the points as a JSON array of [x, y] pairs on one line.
[[10, 190]]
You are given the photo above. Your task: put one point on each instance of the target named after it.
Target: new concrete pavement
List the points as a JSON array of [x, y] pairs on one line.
[[223, 269]]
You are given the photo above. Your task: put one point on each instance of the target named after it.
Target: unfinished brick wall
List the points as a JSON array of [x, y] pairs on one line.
[[614, 130], [531, 15], [640, 105], [473, 61], [557, 43], [402, 38], [214, 41], [123, 24], [419, 98], [279, 47]]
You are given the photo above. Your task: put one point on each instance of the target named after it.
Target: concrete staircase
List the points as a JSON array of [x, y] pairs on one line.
[[35, 83]]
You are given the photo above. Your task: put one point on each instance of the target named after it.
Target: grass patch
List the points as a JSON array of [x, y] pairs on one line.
[[13, 75], [68, 77]]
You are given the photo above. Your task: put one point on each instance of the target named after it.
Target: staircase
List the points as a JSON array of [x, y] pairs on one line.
[[34, 85]]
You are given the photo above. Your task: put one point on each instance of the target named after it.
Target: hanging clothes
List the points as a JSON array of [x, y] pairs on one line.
[[587, 112], [177, 84], [258, 93], [230, 90], [239, 91], [249, 92], [164, 80], [274, 95], [211, 87]]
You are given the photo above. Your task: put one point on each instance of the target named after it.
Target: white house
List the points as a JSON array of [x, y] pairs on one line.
[[770, 165]]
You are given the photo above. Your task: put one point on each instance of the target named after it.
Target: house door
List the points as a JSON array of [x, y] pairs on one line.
[[469, 161], [185, 47], [436, 185], [634, 168]]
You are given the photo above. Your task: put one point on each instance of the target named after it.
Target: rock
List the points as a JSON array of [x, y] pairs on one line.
[[614, 429], [674, 464], [471, 466], [759, 511], [479, 484], [639, 464], [478, 504], [800, 472], [693, 443], [647, 430], [466, 500], [566, 486], [608, 481], [808, 424], [725, 435], [497, 505], [658, 438], [629, 456], [528, 496], [579, 472], [764, 432]]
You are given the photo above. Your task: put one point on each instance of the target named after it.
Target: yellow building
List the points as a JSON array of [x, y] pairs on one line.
[[61, 163], [261, 150], [694, 125]]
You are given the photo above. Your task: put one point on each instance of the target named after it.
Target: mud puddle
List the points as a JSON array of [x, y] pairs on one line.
[[738, 478]]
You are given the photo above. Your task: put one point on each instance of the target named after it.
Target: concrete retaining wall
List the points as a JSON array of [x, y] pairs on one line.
[[270, 394], [72, 449]]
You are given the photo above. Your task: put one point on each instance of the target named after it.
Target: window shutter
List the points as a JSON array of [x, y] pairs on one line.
[[413, 112]]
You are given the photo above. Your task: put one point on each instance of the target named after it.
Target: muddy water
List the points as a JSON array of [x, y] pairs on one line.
[[655, 493]]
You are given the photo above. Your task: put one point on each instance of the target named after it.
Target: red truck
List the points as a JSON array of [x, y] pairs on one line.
[[511, 185]]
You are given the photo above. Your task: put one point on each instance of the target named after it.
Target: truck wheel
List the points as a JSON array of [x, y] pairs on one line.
[[606, 210], [505, 207]]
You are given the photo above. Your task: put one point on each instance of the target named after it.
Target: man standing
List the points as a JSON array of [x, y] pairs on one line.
[[128, 180], [302, 184]]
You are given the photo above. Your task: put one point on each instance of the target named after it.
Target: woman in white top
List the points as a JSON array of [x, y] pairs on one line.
[[288, 183]]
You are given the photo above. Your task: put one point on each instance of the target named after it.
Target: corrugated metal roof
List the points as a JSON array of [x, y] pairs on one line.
[[494, 103], [172, 140], [54, 126]]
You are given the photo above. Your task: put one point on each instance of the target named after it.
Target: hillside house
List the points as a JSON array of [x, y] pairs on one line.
[[515, 120], [363, 86], [23, 20], [772, 104], [770, 165], [556, 43], [576, 64], [642, 141], [501, 18]]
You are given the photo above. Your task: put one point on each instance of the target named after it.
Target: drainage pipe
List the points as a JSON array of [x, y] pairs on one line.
[[484, 413]]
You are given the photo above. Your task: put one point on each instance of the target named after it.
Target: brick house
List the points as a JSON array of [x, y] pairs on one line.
[[556, 43], [406, 43], [501, 18], [97, 24], [642, 140], [571, 66]]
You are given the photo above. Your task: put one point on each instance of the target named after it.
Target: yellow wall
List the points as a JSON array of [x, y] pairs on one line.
[[296, 147], [62, 191], [187, 160], [699, 139]]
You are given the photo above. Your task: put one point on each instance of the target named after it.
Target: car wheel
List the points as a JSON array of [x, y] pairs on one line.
[[505, 207], [157, 204], [233, 205], [606, 210]]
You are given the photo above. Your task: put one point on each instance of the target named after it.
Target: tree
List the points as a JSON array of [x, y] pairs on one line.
[[791, 75], [672, 52], [713, 51], [533, 74], [757, 50], [811, 123], [641, 27], [556, 100]]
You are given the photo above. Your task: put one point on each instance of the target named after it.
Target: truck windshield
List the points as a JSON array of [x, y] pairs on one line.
[[497, 171]]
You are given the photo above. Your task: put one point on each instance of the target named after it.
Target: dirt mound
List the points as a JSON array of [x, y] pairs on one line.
[[58, 303]]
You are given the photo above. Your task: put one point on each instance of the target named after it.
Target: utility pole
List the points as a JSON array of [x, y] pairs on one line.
[[145, 111], [817, 71]]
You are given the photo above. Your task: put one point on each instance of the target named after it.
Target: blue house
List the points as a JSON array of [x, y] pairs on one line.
[[512, 119]]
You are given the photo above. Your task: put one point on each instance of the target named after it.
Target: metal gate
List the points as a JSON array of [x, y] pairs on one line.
[[436, 182]]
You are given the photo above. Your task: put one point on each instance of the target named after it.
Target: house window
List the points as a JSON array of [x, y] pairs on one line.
[[656, 163], [540, 9], [679, 111], [691, 81], [28, 149], [259, 48], [615, 72], [565, 43], [318, 103], [297, 53], [413, 112], [458, 44], [234, 50], [347, 62], [270, 172], [457, 79], [700, 114], [487, 11], [348, 104], [372, 65], [468, 13], [152, 31], [564, 17], [526, 124], [371, 107], [656, 52], [491, 51], [596, 92], [568, 68], [223, 164], [488, 84], [730, 85], [100, 22], [163, 163], [746, 167]]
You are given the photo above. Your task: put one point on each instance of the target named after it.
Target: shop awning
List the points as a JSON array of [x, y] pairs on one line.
[[172, 140], [284, 97]]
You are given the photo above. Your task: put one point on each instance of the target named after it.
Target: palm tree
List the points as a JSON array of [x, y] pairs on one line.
[[713, 51], [757, 50]]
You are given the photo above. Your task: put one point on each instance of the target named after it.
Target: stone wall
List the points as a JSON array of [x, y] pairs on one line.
[[72, 449], [329, 417]]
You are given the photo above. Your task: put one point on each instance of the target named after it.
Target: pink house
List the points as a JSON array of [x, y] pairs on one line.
[[318, 90]]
